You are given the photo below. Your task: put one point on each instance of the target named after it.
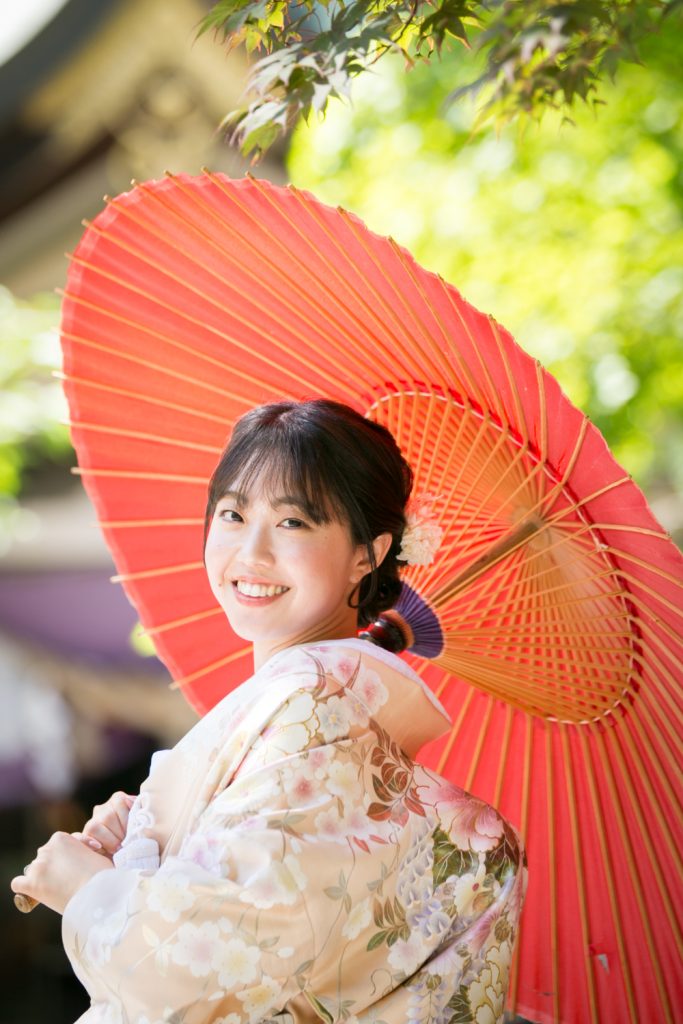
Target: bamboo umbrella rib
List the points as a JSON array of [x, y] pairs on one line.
[[133, 474], [443, 368], [512, 631], [646, 627], [552, 865], [178, 684], [438, 445], [329, 270], [504, 686], [524, 833], [140, 435], [474, 762], [230, 311], [159, 367], [194, 353], [165, 627], [581, 888], [454, 730], [150, 400], [476, 390], [148, 574], [668, 898], [606, 860], [634, 874], [228, 256], [655, 743], [129, 524], [656, 683], [347, 286], [543, 424], [503, 753], [520, 417]]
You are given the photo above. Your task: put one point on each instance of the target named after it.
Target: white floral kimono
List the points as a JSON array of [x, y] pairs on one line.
[[288, 859]]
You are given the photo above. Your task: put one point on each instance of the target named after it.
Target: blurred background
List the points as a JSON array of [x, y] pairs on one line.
[[571, 235]]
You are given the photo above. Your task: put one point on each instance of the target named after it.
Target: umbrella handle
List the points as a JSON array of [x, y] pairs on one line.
[[24, 903]]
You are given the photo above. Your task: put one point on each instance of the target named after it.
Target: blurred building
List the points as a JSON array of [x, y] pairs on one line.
[[93, 93]]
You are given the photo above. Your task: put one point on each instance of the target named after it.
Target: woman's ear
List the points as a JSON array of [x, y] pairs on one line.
[[380, 545]]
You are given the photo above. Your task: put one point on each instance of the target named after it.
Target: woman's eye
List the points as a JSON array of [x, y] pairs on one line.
[[229, 515], [293, 524]]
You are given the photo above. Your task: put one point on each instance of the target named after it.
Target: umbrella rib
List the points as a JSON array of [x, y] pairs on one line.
[[552, 864], [129, 524], [581, 887], [178, 684], [606, 860], [524, 832], [229, 311], [149, 399], [455, 729], [634, 874], [148, 574], [474, 763], [507, 729], [543, 422], [505, 362], [177, 623], [158, 367], [140, 435], [134, 474], [228, 256], [668, 899], [670, 755], [388, 348]]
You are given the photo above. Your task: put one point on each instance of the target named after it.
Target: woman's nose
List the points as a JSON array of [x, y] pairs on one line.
[[255, 548]]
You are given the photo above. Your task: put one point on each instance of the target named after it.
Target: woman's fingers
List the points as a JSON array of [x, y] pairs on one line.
[[109, 822]]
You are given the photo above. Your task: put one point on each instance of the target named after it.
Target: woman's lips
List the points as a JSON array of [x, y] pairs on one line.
[[257, 599]]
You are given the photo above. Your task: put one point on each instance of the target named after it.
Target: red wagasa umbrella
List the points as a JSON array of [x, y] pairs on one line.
[[551, 618]]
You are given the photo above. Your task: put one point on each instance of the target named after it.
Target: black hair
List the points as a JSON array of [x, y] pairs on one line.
[[339, 466]]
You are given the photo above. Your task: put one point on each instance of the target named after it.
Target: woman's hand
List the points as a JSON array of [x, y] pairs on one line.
[[106, 829], [59, 870]]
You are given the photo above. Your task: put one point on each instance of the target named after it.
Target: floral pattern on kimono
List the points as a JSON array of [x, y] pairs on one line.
[[307, 867]]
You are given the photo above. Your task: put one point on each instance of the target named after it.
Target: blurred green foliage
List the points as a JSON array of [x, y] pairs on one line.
[[571, 236], [32, 405], [536, 55]]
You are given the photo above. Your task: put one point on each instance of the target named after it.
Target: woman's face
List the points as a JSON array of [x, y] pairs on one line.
[[279, 577]]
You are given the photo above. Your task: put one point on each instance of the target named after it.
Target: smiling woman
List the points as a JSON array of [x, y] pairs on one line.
[[297, 530], [289, 859]]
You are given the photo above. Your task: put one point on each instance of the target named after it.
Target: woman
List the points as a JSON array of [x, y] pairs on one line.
[[288, 858]]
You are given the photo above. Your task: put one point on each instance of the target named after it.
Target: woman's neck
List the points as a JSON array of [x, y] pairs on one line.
[[339, 629]]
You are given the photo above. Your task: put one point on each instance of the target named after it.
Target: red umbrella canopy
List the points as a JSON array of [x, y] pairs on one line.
[[550, 620]]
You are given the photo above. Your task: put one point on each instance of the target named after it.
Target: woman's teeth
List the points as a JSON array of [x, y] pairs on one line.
[[259, 589]]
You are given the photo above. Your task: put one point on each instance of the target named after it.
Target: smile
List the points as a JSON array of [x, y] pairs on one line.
[[258, 589]]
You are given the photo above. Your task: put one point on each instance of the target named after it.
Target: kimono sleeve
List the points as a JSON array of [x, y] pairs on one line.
[[217, 933]]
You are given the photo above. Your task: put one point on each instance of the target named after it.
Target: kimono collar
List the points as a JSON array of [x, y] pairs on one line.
[[412, 715]]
